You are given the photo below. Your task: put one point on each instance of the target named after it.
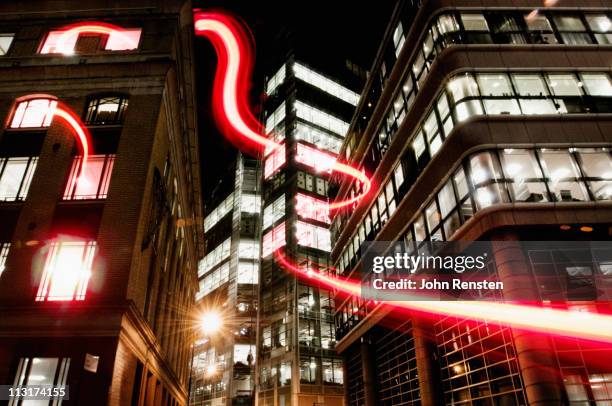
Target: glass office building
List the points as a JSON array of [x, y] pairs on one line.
[[308, 113], [483, 123], [223, 363]]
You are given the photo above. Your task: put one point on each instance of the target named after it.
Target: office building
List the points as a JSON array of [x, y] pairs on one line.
[[98, 272], [224, 360], [484, 123], [307, 112]]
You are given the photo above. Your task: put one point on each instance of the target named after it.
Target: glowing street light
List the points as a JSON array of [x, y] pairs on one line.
[[211, 322]]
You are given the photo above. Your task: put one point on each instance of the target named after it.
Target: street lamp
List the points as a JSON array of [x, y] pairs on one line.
[[211, 322]]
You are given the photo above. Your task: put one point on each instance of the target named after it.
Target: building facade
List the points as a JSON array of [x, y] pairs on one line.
[[483, 123], [224, 362], [99, 255], [307, 113]]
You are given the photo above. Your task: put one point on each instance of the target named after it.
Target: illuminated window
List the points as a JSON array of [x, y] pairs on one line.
[[474, 22], [106, 110], [398, 38], [274, 161], [219, 212], [325, 84], [312, 236], [314, 158], [42, 371], [274, 212], [310, 208], [276, 80], [94, 182], [67, 271], [214, 279], [215, 256], [317, 137], [63, 42], [332, 371], [248, 249], [250, 203], [248, 272], [275, 118], [273, 240], [5, 43], [320, 118], [34, 113], [4, 250], [15, 177]]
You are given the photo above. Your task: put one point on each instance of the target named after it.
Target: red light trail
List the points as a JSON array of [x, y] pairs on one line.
[[232, 113]]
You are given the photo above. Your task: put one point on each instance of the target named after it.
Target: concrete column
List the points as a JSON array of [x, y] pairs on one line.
[[534, 350], [427, 369], [369, 374]]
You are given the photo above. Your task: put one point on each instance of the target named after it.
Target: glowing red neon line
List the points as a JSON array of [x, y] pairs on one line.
[[66, 41], [583, 325], [231, 86], [233, 115], [80, 132]]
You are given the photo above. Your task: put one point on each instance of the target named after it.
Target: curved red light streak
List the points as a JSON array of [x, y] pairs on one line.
[[584, 325], [85, 28], [232, 113]]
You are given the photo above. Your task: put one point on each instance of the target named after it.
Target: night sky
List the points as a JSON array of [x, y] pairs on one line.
[[325, 34]]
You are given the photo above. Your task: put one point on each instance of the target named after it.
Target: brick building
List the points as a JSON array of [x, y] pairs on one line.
[[98, 273]]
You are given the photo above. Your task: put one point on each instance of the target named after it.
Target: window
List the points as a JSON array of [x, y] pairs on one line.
[[106, 110], [325, 84], [273, 212], [398, 38], [219, 212], [320, 118], [42, 371], [523, 172], [5, 43], [308, 369], [541, 29], [250, 203], [317, 137], [274, 161], [312, 236], [597, 84], [273, 240], [65, 42], [494, 84], [564, 84], [248, 249], [311, 208], [463, 86], [4, 250], [530, 85], [474, 22], [597, 167], [93, 183], [312, 157], [67, 270], [276, 80], [248, 271], [214, 279], [275, 118], [572, 29], [601, 26], [15, 177], [562, 173], [332, 371], [34, 113], [214, 257]]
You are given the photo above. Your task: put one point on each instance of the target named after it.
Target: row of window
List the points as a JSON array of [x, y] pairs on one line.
[[468, 94], [218, 213], [38, 113], [83, 39], [501, 27], [315, 79], [502, 176]]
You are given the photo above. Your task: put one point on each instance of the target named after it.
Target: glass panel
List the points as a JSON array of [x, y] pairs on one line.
[[483, 169], [5, 43], [562, 173], [564, 84], [446, 197], [463, 86], [569, 23], [494, 85], [597, 164], [502, 106], [538, 106], [597, 84], [447, 23], [599, 22], [474, 22], [538, 22], [530, 85], [12, 177], [467, 109], [522, 169]]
